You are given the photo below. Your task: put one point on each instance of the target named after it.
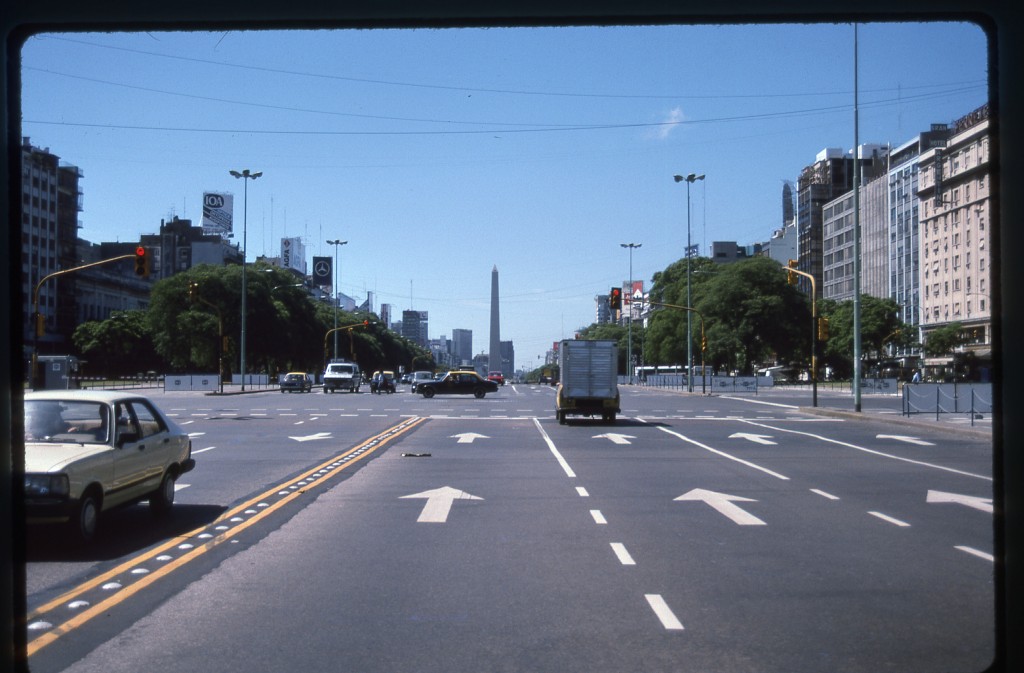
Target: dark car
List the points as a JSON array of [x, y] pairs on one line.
[[458, 383], [293, 381]]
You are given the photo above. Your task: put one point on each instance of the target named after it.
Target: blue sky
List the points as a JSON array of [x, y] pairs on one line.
[[441, 153]]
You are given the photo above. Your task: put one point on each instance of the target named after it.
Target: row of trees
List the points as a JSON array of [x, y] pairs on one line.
[[754, 318], [181, 329]]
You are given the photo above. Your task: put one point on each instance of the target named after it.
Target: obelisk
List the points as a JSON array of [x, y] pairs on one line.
[[494, 355]]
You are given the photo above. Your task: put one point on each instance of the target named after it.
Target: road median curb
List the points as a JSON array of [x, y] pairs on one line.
[[942, 426]]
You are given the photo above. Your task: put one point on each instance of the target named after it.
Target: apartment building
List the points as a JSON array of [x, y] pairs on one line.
[[955, 240]]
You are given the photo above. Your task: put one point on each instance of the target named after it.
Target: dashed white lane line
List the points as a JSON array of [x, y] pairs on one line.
[[824, 494], [663, 612], [889, 519], [582, 492], [598, 517], [976, 552], [624, 556]]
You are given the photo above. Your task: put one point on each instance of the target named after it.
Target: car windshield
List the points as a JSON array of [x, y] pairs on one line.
[[66, 421]]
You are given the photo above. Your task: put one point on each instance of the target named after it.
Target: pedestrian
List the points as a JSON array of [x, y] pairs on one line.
[[917, 376]]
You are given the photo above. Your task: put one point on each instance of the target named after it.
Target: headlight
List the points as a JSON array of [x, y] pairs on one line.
[[47, 485]]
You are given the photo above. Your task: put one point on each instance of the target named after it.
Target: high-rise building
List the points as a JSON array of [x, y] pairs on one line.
[[956, 236], [51, 200], [830, 176], [414, 327], [462, 346]]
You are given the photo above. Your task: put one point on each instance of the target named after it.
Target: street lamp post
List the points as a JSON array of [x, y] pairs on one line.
[[629, 337], [244, 175], [689, 179], [336, 243]]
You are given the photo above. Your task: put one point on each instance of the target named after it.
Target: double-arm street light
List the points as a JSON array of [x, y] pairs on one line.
[[629, 337], [689, 179], [336, 243], [244, 175]]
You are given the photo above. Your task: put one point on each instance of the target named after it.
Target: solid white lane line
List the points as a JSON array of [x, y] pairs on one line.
[[871, 451], [723, 454], [623, 555], [551, 445], [663, 612]]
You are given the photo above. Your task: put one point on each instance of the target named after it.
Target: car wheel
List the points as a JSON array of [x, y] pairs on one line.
[[479, 393], [161, 500], [428, 392], [85, 521]]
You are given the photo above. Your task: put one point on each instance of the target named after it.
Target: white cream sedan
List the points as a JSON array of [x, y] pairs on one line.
[[87, 452]]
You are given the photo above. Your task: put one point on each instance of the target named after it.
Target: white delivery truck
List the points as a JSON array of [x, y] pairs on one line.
[[588, 379], [342, 375]]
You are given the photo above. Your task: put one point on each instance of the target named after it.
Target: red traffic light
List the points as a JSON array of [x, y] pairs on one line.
[[141, 262]]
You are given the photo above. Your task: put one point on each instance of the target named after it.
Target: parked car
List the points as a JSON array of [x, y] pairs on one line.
[[420, 376], [87, 452], [497, 377], [300, 381], [458, 383]]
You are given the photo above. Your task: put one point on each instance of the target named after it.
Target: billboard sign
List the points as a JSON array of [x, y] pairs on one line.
[[293, 254], [217, 212], [323, 269]]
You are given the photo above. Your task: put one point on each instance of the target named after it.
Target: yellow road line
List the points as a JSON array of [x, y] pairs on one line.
[[50, 636]]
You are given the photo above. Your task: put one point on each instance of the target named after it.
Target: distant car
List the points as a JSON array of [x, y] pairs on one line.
[[458, 383], [497, 377], [300, 381], [419, 377], [87, 452]]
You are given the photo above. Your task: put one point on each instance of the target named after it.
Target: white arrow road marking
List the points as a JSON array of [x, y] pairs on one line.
[[906, 438], [439, 503], [308, 438], [982, 504], [468, 437], [616, 438], [722, 502], [759, 439]]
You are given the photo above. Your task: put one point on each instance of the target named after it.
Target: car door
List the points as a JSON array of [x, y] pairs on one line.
[[143, 443]]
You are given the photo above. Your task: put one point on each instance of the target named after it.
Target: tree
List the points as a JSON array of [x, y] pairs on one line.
[[752, 315], [121, 345], [880, 325], [944, 340]]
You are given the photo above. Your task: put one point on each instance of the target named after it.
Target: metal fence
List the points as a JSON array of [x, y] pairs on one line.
[[947, 398], [753, 384]]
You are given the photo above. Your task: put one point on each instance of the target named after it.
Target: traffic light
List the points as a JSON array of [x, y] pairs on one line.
[[703, 343], [615, 299], [141, 262], [193, 291], [791, 277], [822, 329], [40, 324]]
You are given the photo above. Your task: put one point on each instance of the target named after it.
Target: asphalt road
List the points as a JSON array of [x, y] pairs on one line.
[[383, 533]]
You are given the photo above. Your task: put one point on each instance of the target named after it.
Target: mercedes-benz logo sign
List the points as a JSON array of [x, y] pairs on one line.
[[322, 269]]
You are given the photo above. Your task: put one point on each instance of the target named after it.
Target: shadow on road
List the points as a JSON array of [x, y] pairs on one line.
[[122, 532]]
